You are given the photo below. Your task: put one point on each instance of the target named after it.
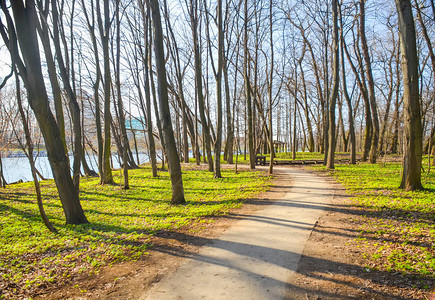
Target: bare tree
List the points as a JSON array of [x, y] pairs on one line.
[[246, 74], [371, 85], [29, 155], [347, 97], [411, 178], [165, 115], [22, 29], [194, 23], [335, 71], [104, 28]]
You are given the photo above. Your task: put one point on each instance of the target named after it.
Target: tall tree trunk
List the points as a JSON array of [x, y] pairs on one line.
[[246, 71], [272, 150], [395, 139], [198, 83], [96, 86], [52, 74], [165, 114], [413, 133], [335, 71], [72, 99], [307, 110], [30, 70], [363, 89], [106, 176], [371, 86], [146, 109], [295, 109], [347, 97], [86, 169], [124, 138], [218, 142], [154, 94], [230, 130]]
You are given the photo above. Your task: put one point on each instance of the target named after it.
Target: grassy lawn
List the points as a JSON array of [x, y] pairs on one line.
[[398, 230], [288, 156], [281, 156], [121, 223]]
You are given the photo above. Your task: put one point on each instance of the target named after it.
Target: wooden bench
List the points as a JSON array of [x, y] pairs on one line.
[[260, 160]]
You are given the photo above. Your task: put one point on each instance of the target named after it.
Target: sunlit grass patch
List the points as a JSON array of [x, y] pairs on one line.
[[398, 225], [121, 222]]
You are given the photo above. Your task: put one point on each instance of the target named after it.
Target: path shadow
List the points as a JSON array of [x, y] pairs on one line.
[[261, 254]]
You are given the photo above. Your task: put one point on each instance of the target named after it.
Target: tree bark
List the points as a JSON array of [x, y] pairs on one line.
[[218, 142], [371, 86], [347, 97], [270, 86], [124, 138], [106, 176], [30, 70], [72, 99], [29, 144], [363, 89], [335, 71], [147, 107], [248, 92], [413, 134], [198, 83], [165, 114], [96, 85]]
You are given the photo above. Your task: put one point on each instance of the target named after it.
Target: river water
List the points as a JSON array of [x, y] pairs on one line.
[[18, 168]]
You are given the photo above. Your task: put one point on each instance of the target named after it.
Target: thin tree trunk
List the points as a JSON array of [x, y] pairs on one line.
[[363, 89], [52, 73], [106, 176], [154, 94], [335, 71], [96, 86], [198, 83], [230, 130], [171, 150], [246, 69], [272, 150], [147, 109], [72, 99], [218, 142], [371, 85], [29, 143], [352, 136], [124, 138]]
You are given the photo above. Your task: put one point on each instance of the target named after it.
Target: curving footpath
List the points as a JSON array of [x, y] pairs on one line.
[[256, 257]]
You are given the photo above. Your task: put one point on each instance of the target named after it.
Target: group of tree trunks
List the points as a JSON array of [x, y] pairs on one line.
[[24, 25]]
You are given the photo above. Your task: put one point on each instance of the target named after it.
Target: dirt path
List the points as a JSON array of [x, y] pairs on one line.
[[257, 256]]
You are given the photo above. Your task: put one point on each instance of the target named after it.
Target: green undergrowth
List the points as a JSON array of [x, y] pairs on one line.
[[299, 156], [398, 227], [121, 223], [279, 156]]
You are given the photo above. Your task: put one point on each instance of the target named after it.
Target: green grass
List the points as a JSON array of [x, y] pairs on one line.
[[121, 223], [288, 156], [299, 155], [398, 226], [280, 156]]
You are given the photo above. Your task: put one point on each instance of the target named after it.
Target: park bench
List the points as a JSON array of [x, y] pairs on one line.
[[260, 160]]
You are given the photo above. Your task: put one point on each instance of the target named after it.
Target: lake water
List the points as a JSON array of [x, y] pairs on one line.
[[18, 168]]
